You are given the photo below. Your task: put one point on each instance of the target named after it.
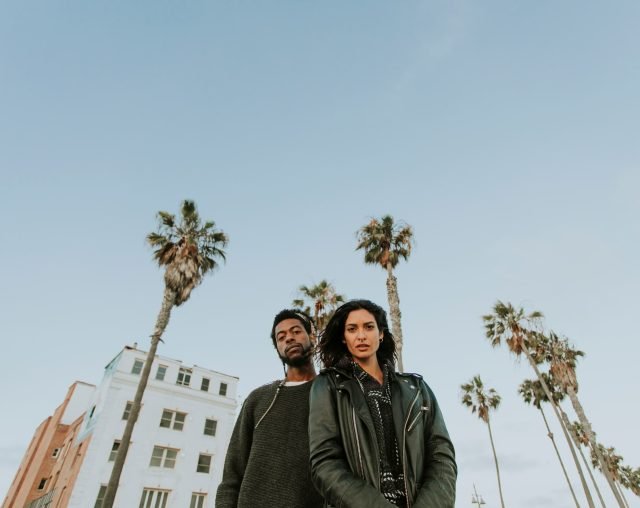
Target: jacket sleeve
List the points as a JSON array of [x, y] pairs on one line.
[[236, 460], [330, 471], [438, 488]]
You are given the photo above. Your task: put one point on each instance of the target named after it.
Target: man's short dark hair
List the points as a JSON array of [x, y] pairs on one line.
[[301, 316]]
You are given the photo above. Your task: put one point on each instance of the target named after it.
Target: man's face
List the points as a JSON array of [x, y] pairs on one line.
[[293, 342]]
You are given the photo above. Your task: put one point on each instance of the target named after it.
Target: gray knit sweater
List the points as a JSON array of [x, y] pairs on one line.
[[267, 463]]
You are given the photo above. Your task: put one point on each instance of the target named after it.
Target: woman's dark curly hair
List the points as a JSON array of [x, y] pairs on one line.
[[331, 347]]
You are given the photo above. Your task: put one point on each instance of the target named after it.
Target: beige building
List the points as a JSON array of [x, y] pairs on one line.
[[52, 459], [177, 449]]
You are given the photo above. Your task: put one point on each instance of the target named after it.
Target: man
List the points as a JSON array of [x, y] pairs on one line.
[[267, 463]]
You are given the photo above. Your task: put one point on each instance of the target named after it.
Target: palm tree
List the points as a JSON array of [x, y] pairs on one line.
[[614, 466], [384, 243], [532, 393], [319, 301], [521, 332], [482, 401], [188, 249], [630, 479], [580, 440], [563, 359]]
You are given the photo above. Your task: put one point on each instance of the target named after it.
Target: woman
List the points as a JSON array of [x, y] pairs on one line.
[[377, 437]]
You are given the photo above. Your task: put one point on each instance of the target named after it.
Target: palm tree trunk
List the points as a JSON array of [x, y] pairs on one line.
[[553, 441], [394, 309], [551, 400], [622, 494], [118, 465], [495, 457], [604, 467], [566, 424]]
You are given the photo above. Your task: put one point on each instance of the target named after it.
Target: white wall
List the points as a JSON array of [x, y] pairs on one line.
[[107, 425], [80, 398]]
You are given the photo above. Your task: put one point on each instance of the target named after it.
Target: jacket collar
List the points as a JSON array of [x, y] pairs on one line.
[[344, 367]]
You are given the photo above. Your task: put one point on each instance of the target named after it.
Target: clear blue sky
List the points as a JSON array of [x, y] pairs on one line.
[[505, 133]]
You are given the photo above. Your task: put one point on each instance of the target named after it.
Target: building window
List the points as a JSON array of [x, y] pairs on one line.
[[163, 457], [56, 452], [162, 370], [42, 484], [137, 367], [210, 426], [197, 500], [172, 419], [154, 498], [205, 384], [114, 451], [100, 498], [204, 463], [127, 410], [223, 389], [184, 376]]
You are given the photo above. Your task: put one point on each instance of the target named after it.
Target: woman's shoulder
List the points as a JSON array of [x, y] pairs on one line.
[[412, 378]]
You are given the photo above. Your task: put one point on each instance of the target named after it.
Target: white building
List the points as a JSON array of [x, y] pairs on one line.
[[179, 442]]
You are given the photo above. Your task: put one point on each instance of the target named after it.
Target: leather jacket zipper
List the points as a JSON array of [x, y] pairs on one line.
[[355, 430], [358, 443], [415, 420], [404, 449]]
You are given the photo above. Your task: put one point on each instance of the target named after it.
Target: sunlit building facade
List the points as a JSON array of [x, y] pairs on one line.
[[177, 448]]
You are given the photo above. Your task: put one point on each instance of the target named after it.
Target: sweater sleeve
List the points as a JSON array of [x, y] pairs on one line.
[[438, 488], [237, 457], [330, 471]]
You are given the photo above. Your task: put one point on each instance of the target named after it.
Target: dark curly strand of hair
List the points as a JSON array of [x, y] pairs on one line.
[[331, 347], [301, 316]]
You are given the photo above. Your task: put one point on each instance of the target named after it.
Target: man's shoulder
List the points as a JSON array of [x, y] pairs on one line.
[[264, 390]]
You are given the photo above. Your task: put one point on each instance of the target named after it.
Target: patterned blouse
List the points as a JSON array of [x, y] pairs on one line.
[[378, 397]]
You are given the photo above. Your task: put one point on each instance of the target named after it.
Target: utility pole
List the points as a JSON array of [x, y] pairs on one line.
[[476, 498]]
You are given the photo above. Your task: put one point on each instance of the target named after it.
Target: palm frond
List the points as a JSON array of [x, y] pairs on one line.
[[187, 249], [385, 241]]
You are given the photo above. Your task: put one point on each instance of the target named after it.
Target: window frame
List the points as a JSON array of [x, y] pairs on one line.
[[174, 420], [165, 457], [114, 450], [164, 372], [214, 424], [100, 497], [184, 376], [223, 390], [204, 464], [198, 499], [127, 410], [154, 498], [205, 381], [135, 370]]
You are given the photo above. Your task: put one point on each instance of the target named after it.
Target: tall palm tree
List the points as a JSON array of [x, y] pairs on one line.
[[623, 476], [320, 301], [482, 401], [385, 242], [521, 332], [532, 393], [188, 250], [563, 359], [614, 464], [630, 479], [580, 440]]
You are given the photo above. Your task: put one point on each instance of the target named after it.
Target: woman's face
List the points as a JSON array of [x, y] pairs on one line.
[[362, 336]]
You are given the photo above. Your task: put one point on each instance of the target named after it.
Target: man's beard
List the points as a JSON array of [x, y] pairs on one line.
[[301, 360]]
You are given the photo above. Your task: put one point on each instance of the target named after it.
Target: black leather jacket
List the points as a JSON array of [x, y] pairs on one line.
[[344, 450]]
